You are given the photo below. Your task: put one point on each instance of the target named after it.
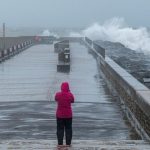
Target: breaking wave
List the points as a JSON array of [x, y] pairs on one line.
[[48, 33], [116, 30]]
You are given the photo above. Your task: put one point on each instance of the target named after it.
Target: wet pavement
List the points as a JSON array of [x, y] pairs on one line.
[[76, 145], [28, 83]]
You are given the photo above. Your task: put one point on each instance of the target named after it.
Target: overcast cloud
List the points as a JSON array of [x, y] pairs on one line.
[[72, 13]]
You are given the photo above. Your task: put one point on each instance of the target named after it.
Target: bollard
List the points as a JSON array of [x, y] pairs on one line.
[[2, 52], [0, 56], [8, 53], [5, 54]]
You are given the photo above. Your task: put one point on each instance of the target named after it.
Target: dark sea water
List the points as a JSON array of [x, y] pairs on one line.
[[136, 63]]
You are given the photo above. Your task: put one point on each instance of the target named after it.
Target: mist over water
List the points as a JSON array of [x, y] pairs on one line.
[[48, 33], [116, 30]]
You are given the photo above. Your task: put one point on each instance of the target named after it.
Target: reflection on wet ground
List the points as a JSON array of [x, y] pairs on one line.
[[28, 84]]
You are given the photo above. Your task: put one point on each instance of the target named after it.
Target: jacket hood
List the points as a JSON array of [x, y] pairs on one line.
[[65, 87]]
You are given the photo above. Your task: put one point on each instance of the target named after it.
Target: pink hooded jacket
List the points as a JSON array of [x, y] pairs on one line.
[[64, 100]]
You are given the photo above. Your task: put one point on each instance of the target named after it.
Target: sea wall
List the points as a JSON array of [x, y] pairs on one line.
[[70, 39], [11, 41], [13, 45], [10, 46], [133, 95]]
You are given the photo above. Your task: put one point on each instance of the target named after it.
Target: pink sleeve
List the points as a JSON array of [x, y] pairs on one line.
[[56, 97]]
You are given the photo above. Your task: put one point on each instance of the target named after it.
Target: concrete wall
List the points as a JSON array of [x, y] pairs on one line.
[[99, 49], [63, 50], [11, 46], [95, 46], [70, 39], [134, 96], [60, 46], [11, 41], [44, 39], [14, 46], [89, 41]]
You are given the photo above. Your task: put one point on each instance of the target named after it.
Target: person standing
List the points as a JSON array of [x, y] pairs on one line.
[[64, 98]]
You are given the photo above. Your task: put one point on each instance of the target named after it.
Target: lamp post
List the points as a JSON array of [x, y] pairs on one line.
[[4, 44]]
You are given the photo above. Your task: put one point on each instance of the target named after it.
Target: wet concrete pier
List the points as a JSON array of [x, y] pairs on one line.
[[28, 83]]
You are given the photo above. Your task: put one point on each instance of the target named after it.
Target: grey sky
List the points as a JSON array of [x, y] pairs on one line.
[[72, 13]]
